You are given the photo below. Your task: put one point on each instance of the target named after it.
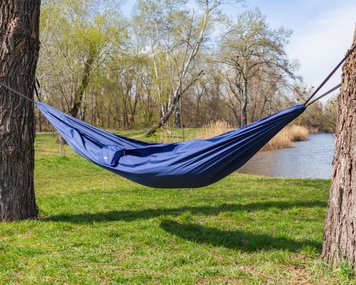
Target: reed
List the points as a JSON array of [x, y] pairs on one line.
[[284, 139], [213, 129], [298, 133]]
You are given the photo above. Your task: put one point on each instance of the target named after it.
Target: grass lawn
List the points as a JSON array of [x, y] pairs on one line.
[[97, 228]]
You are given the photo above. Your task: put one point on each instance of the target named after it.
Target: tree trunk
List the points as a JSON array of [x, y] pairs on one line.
[[340, 228], [177, 117], [182, 74], [19, 40], [177, 96], [79, 94], [244, 104], [38, 123]]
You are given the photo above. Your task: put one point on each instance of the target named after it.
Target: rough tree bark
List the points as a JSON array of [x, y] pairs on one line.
[[19, 47], [340, 228]]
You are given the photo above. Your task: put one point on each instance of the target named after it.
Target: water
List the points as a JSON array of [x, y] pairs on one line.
[[308, 159]]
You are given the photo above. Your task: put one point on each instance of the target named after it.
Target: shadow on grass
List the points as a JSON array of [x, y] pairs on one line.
[[235, 239], [131, 215]]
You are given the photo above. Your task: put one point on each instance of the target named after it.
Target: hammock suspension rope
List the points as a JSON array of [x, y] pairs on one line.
[[327, 79]]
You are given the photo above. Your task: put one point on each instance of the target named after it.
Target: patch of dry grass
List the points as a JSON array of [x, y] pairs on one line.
[[299, 133], [281, 140], [284, 139], [213, 129]]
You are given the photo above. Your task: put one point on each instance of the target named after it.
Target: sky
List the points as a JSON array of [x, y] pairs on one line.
[[322, 31]]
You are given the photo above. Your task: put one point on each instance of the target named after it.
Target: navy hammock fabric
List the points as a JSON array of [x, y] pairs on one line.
[[190, 164]]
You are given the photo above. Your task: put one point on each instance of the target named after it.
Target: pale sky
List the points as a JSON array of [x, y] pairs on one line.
[[322, 31]]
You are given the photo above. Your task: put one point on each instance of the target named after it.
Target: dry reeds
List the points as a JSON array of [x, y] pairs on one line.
[[164, 135], [213, 129], [298, 133], [284, 139]]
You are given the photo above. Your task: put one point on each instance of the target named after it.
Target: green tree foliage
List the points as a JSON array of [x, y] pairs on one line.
[[170, 60], [78, 38], [254, 56]]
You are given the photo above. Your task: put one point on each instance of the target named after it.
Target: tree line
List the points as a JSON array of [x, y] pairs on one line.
[[174, 62]]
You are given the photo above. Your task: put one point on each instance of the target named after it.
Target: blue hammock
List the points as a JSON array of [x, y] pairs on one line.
[[190, 164]]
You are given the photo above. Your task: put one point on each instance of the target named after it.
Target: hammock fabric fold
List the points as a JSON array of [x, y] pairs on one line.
[[190, 164]]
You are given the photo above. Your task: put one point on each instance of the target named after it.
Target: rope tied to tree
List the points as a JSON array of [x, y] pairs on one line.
[[327, 79], [16, 92], [323, 95], [36, 89]]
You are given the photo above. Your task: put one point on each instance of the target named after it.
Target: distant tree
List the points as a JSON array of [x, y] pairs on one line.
[[340, 228], [130, 72], [162, 62], [19, 41], [78, 38], [330, 116], [250, 49], [192, 36]]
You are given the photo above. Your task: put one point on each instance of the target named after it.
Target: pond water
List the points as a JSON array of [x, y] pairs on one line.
[[307, 159]]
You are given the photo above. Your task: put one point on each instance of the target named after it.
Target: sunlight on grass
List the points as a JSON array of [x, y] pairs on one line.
[[97, 228]]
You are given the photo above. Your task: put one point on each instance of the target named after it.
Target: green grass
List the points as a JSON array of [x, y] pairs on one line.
[[97, 228]]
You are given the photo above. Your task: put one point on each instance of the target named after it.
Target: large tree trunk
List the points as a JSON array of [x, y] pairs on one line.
[[19, 40], [340, 228]]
